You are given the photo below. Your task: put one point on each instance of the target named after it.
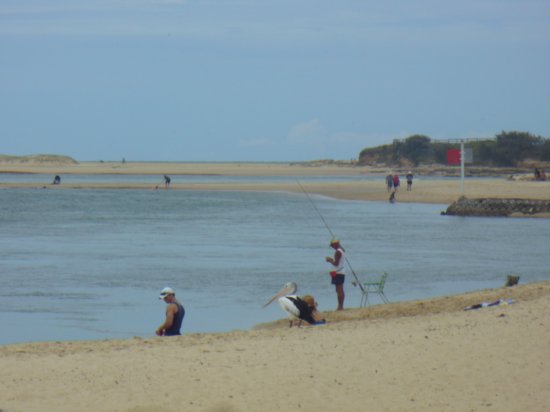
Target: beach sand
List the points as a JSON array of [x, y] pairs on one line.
[[426, 189], [425, 356], [413, 356]]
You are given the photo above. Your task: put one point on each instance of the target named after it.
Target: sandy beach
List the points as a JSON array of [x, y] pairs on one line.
[[428, 355], [426, 188], [415, 356]]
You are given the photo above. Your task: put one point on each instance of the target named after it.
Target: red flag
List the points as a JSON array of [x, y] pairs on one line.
[[453, 156]]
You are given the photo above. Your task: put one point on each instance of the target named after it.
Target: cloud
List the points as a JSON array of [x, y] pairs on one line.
[[245, 23], [261, 142], [93, 17], [307, 132], [53, 6]]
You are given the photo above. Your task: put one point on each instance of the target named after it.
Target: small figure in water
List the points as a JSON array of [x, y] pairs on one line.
[[166, 181], [56, 180]]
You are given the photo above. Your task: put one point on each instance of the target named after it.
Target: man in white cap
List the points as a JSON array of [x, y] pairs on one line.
[[337, 273], [174, 314]]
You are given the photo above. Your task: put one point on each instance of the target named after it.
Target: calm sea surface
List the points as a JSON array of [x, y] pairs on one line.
[[89, 264]]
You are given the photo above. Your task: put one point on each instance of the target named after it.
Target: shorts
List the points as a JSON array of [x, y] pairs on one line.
[[338, 279]]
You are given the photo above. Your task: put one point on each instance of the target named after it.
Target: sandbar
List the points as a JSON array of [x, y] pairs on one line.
[[426, 188]]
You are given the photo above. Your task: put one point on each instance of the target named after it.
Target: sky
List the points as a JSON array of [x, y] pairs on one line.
[[266, 80]]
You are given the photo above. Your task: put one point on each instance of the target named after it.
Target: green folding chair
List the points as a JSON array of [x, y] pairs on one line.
[[374, 286]]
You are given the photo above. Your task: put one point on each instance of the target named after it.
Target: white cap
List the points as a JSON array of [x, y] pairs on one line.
[[165, 292]]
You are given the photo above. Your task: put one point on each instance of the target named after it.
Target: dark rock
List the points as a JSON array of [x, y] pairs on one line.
[[497, 207]]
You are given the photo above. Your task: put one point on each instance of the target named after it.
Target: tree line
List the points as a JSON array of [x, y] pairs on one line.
[[506, 149]]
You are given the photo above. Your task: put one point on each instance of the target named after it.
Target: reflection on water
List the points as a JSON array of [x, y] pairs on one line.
[[88, 264]]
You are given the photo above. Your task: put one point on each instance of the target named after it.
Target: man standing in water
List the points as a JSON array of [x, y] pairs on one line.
[[337, 273], [174, 314]]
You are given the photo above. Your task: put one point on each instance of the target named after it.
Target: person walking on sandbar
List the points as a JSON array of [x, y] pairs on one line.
[[409, 181]]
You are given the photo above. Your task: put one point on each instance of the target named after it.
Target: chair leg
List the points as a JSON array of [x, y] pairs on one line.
[[364, 299], [384, 298]]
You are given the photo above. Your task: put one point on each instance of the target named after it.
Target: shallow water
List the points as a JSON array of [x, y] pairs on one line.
[[88, 264]]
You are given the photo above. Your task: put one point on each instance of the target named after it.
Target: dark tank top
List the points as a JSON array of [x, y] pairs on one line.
[[176, 325]]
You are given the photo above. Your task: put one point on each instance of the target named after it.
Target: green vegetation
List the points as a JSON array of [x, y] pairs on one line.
[[39, 158], [507, 149]]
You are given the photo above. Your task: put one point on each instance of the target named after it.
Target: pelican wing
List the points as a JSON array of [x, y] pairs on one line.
[[297, 307], [287, 303]]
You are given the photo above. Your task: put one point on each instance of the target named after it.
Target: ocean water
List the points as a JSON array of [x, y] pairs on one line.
[[89, 264]]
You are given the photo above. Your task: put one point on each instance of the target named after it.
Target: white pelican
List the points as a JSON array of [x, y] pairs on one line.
[[296, 307]]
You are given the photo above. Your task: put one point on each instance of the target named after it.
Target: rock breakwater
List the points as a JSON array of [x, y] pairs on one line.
[[498, 207]]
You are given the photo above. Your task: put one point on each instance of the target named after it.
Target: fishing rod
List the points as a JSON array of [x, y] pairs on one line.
[[331, 234]]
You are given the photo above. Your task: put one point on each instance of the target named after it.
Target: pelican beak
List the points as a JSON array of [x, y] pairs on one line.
[[283, 292]]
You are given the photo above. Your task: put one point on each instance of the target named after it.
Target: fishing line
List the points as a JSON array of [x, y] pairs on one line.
[[331, 233]]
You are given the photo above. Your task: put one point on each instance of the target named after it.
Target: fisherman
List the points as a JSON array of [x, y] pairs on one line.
[[337, 273], [174, 314], [167, 181]]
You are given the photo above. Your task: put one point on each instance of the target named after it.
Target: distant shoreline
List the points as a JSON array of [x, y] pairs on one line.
[[246, 168], [428, 189]]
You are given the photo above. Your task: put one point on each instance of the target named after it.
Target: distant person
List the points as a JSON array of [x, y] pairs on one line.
[[56, 180], [337, 273], [167, 181], [389, 182], [174, 314], [409, 181], [396, 182], [537, 174]]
